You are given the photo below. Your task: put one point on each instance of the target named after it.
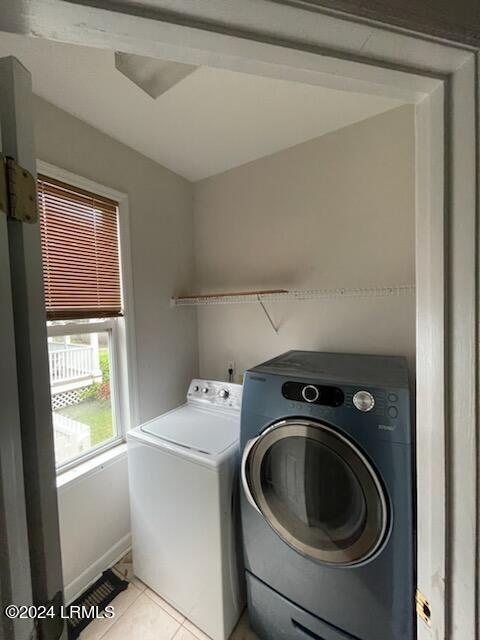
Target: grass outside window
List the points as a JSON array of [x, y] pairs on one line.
[[95, 409]]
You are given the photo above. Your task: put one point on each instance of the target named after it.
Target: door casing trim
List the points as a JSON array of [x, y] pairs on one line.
[[441, 79]]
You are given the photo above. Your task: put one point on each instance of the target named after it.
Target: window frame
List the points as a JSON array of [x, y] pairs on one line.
[[122, 347], [71, 327]]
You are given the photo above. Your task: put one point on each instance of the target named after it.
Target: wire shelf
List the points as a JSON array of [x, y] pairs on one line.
[[281, 295]]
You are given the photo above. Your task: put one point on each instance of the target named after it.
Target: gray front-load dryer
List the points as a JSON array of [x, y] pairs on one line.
[[327, 498]]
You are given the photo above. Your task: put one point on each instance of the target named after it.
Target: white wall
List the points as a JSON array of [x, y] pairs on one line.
[[94, 519], [94, 512], [161, 236], [337, 211]]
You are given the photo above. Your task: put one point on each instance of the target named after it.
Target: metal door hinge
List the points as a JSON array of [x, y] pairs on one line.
[[423, 608], [18, 191]]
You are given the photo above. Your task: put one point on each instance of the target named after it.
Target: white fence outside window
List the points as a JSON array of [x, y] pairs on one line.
[[73, 366]]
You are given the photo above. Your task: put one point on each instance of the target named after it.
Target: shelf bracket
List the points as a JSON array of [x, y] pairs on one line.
[[275, 328]]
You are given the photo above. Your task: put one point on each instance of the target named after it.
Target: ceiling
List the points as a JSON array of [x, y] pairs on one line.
[[211, 121]]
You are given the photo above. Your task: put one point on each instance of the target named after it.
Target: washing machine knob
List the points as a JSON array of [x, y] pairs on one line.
[[196, 388], [205, 390], [364, 401], [224, 393], [310, 393]]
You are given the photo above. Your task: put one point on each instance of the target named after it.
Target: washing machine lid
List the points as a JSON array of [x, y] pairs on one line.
[[209, 432]]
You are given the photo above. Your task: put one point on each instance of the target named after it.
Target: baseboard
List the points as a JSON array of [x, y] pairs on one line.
[[86, 578]]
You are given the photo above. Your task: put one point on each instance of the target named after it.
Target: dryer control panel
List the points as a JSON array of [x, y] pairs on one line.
[[214, 393], [313, 393]]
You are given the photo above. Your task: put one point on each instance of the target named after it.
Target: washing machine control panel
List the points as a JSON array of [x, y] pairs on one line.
[[215, 393], [313, 393]]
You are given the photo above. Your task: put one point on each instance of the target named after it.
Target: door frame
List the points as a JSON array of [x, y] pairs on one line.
[[298, 40], [33, 556], [15, 577]]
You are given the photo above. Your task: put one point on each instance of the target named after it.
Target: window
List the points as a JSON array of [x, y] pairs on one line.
[[83, 297]]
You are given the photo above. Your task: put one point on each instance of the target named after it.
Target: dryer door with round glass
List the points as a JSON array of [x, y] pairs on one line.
[[316, 490]]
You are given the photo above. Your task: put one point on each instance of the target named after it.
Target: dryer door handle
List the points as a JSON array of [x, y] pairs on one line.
[[246, 487]]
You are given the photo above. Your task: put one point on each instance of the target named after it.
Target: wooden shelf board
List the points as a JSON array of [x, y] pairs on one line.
[[232, 294]]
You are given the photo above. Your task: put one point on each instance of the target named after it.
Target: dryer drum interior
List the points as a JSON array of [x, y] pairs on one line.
[[317, 491]]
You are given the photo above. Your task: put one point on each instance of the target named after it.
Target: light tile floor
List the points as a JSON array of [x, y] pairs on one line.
[[141, 614]]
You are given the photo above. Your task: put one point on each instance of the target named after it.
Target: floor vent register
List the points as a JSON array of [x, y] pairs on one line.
[[98, 596]]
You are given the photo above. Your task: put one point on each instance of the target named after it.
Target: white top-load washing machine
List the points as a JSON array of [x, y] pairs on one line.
[[183, 470]]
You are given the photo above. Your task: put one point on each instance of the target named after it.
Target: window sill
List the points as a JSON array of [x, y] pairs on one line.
[[91, 466]]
